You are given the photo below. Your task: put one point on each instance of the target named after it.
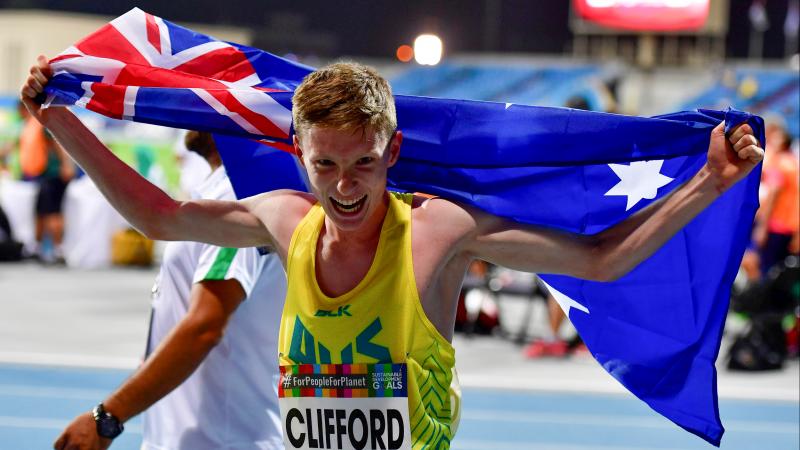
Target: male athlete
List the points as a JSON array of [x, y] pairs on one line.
[[373, 277]]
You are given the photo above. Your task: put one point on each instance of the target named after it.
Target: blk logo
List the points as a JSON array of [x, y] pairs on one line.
[[342, 311]]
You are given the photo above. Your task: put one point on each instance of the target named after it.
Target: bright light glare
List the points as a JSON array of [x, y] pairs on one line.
[[635, 3], [405, 53], [428, 49]]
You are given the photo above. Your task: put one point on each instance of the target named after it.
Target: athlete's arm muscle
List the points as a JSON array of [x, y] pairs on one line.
[[145, 206], [148, 208], [604, 256], [617, 250]]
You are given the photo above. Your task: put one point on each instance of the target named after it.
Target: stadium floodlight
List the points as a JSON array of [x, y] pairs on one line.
[[428, 49]]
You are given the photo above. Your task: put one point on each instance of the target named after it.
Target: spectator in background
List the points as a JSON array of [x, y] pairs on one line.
[[578, 102], [5, 227], [777, 230], [751, 264], [203, 384], [5, 152], [10, 250], [552, 344], [43, 161], [8, 145]]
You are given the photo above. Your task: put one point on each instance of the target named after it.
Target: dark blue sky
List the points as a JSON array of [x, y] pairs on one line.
[[377, 27]]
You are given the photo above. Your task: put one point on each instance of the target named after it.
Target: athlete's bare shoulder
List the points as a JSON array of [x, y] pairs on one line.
[[440, 219], [280, 211]]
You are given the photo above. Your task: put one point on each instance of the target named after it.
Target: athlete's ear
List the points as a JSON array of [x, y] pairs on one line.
[[297, 150], [394, 147]]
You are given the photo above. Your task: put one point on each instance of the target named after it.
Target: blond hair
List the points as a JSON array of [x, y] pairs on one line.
[[344, 96]]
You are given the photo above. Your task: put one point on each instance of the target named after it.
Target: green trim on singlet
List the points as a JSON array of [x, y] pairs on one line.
[[221, 264]]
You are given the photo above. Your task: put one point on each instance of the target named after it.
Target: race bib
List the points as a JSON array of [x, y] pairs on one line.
[[345, 406]]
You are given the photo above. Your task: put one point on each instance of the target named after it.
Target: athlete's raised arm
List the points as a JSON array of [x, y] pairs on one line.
[[614, 252], [145, 206]]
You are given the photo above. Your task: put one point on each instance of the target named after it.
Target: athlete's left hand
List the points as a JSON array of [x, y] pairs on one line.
[[81, 434], [731, 158]]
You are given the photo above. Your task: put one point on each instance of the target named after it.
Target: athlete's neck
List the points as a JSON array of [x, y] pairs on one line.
[[354, 250]]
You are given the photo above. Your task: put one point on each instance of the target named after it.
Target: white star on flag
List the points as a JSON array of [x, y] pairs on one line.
[[564, 302], [640, 180]]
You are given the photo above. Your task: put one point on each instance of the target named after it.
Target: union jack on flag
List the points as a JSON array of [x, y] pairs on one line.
[[121, 71]]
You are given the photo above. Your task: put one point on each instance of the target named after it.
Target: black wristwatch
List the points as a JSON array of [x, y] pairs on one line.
[[108, 426]]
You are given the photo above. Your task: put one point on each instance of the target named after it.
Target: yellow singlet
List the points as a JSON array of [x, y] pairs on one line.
[[381, 320]]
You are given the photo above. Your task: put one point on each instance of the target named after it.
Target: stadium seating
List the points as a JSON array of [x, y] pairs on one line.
[[534, 84], [761, 91]]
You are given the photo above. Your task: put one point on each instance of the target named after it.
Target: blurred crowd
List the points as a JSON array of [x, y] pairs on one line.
[[37, 158], [47, 206], [767, 292]]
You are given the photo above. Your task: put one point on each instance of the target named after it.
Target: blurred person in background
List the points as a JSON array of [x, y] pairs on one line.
[[10, 249], [8, 145], [777, 230], [43, 161], [769, 298], [5, 227], [551, 344], [210, 376], [5, 153]]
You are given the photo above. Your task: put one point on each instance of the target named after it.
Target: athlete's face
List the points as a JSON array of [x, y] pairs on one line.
[[347, 171]]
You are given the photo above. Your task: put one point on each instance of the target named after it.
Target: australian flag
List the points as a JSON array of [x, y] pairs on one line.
[[657, 330]]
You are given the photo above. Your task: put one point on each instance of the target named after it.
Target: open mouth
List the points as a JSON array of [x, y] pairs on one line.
[[349, 206]]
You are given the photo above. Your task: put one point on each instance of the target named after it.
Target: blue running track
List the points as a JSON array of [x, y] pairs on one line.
[[36, 402]]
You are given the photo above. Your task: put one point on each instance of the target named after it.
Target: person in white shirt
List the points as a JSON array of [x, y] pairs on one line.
[[210, 376]]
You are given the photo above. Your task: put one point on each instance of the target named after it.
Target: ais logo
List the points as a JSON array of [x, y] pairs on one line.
[[342, 311]]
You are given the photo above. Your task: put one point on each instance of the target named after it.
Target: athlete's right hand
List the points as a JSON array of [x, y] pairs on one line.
[[40, 74]]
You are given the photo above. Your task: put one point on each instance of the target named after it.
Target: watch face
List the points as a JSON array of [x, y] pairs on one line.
[[108, 427]]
